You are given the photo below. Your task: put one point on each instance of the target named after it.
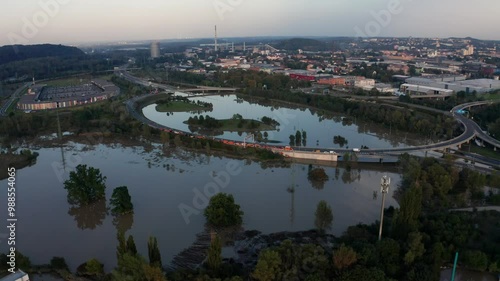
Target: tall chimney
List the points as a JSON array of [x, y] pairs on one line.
[[216, 47]]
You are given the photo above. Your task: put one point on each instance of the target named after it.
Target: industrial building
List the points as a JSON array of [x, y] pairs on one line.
[[417, 91], [41, 97], [456, 83]]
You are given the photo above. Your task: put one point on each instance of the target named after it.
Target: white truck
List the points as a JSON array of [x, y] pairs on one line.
[[356, 150]]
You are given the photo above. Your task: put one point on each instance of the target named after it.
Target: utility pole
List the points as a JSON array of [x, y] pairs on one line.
[[384, 188]]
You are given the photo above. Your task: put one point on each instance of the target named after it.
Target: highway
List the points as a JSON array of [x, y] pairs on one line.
[[13, 97], [127, 76], [478, 131]]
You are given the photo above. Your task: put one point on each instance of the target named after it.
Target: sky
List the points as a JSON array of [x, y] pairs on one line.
[[80, 21]]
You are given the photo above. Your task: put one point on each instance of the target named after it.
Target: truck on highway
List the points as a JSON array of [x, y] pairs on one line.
[[356, 150]]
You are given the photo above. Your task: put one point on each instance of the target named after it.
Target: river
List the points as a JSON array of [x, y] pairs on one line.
[[159, 183]]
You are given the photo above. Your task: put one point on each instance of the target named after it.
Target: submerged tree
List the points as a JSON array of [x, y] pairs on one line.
[[85, 185], [154, 252], [121, 201], [222, 211], [323, 216]]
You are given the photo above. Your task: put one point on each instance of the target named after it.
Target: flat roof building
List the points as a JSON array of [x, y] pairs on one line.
[[42, 97], [418, 91]]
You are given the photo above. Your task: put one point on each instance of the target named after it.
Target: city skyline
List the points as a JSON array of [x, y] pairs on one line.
[[76, 21]]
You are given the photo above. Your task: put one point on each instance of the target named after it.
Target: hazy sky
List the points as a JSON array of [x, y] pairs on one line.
[[73, 21]]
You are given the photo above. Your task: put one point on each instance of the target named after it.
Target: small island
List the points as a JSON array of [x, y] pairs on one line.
[[182, 104], [235, 124]]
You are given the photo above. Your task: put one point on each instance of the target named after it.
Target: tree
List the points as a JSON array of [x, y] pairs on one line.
[[154, 252], [121, 248], [131, 248], [298, 138], [222, 211], [85, 185], [153, 273], [406, 219], [476, 260], [94, 267], [130, 267], [268, 266], [344, 257], [323, 216], [389, 252], [121, 201], [214, 254], [416, 248], [363, 273], [58, 263]]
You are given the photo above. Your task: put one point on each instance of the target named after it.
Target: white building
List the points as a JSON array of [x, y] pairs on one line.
[[456, 83], [17, 276], [364, 83], [424, 91]]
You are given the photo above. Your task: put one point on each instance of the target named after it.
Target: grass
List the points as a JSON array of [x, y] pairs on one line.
[[73, 81], [491, 96], [67, 82], [232, 125], [13, 106], [179, 106], [484, 151]]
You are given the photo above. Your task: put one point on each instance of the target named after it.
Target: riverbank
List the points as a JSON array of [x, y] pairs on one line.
[[23, 159]]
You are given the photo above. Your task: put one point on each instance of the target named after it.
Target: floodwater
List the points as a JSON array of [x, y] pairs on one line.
[[320, 129], [159, 184]]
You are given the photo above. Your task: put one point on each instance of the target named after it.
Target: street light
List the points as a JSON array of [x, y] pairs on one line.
[[385, 181]]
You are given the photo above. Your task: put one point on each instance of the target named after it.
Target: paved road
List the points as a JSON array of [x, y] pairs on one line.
[[13, 97], [126, 75], [478, 131]]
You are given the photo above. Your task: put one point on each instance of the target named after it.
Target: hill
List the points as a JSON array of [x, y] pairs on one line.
[[13, 53], [304, 44]]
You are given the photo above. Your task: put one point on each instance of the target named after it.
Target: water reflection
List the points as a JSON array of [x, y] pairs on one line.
[[351, 175], [89, 216], [123, 223], [320, 126], [169, 182]]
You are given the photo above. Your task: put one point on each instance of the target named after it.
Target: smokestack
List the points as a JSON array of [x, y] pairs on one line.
[[244, 46], [216, 38]]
